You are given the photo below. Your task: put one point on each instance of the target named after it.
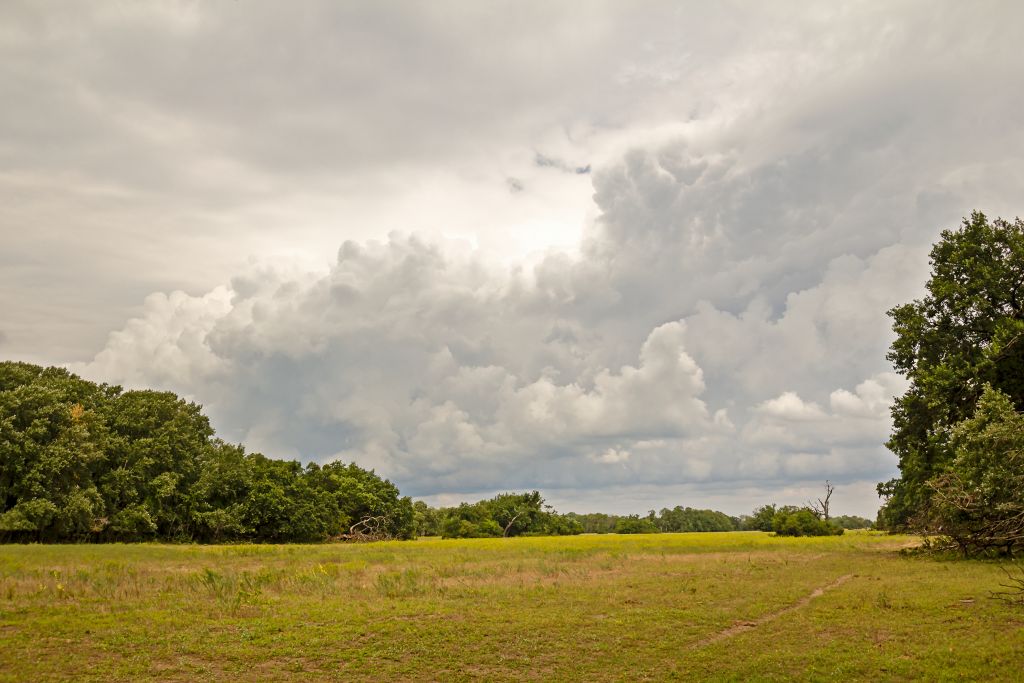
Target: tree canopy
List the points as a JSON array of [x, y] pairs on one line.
[[964, 338], [86, 461], [802, 521], [81, 461], [507, 514]]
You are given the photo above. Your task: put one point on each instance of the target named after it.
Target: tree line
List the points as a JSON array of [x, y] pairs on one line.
[[81, 461], [504, 515], [524, 514], [84, 461]]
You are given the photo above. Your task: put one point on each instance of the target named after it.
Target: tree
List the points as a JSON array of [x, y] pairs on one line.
[[507, 514], [85, 461], [52, 439], [793, 521], [851, 522], [978, 500], [427, 519], [516, 513], [820, 506], [469, 521], [360, 494], [761, 520], [967, 331], [680, 519], [155, 449], [594, 522], [634, 524]]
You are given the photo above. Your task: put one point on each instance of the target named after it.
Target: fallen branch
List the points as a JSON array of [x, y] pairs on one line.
[[1015, 593], [368, 529]]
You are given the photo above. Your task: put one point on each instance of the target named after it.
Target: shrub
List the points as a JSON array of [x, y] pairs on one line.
[[802, 522]]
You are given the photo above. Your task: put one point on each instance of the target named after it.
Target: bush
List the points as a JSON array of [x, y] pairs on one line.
[[507, 514], [802, 522], [851, 522], [634, 524], [978, 500]]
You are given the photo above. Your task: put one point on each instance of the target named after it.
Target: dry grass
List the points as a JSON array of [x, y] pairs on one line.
[[587, 608]]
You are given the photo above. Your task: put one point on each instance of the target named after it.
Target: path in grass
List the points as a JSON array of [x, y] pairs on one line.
[[741, 626], [590, 608]]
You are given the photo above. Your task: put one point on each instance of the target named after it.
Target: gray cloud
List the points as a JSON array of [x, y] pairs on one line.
[[764, 185], [558, 164], [599, 371]]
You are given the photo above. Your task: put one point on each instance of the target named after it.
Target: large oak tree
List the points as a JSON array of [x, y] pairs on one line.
[[965, 334]]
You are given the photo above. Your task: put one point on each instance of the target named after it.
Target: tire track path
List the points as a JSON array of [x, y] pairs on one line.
[[744, 626]]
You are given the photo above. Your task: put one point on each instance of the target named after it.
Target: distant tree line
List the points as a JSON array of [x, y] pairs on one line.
[[792, 520], [83, 461], [490, 518], [678, 519], [505, 515]]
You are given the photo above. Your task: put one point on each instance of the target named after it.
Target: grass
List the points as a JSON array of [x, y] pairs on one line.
[[733, 606]]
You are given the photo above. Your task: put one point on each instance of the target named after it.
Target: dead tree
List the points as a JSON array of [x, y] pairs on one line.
[[368, 529], [510, 523], [820, 506]]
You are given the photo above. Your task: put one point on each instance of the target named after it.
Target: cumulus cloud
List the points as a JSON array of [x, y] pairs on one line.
[[871, 399], [702, 312], [788, 406], [452, 376], [406, 359]]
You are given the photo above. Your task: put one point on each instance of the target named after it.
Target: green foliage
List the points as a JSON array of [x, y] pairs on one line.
[[81, 461], [594, 522], [426, 520], [978, 498], [793, 521], [968, 331], [680, 519], [635, 524], [851, 522], [507, 514], [762, 519]]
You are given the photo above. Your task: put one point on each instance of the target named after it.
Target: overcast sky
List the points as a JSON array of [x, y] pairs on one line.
[[632, 254]]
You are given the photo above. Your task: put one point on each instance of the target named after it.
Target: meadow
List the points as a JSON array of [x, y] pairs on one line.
[[721, 606]]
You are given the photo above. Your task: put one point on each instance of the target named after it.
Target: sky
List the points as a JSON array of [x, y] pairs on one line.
[[634, 255]]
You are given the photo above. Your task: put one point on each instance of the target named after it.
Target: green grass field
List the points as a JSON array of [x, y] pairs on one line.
[[730, 606]]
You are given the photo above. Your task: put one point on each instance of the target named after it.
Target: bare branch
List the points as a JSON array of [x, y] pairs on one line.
[[1015, 594], [368, 529], [511, 522], [820, 507]]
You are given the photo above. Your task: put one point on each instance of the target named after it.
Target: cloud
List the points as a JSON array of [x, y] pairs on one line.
[[701, 312], [549, 162], [788, 406], [611, 456], [403, 358], [871, 399], [451, 376], [169, 345]]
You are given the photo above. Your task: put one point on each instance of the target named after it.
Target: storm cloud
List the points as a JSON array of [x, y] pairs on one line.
[[302, 219]]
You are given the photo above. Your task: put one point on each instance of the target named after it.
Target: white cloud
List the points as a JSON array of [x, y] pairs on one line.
[[702, 312], [871, 399], [788, 406], [612, 456]]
